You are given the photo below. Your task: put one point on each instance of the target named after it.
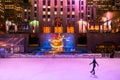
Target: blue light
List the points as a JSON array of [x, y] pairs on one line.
[[69, 42]]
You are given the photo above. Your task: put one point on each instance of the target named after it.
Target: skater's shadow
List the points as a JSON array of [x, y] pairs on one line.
[[94, 76]]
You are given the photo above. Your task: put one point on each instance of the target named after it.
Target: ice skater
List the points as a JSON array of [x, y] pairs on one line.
[[94, 62]]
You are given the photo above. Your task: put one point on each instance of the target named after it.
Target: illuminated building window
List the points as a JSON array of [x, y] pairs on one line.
[[61, 13], [70, 29], [55, 13], [48, 6], [94, 28], [58, 30], [17, 8], [19, 15], [46, 29], [35, 5], [8, 0], [44, 19], [9, 6], [48, 19], [68, 13], [73, 13], [44, 6], [44, 13], [82, 11], [48, 13], [25, 10]]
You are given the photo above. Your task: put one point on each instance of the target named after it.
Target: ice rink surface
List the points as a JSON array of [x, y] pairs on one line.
[[58, 69]]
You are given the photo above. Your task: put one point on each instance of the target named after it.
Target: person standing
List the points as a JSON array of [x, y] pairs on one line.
[[94, 62]]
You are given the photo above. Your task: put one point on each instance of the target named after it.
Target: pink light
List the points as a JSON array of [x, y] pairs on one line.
[[108, 15], [83, 26]]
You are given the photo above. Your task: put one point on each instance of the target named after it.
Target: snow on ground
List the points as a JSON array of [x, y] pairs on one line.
[[58, 69]]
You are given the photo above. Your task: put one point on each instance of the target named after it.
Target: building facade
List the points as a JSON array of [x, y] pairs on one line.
[[2, 16], [13, 14], [58, 13]]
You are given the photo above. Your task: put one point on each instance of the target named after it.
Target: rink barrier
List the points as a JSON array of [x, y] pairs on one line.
[[85, 55], [92, 55]]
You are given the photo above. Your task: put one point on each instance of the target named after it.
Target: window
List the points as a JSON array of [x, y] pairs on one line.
[[68, 16], [61, 13], [82, 3], [44, 2], [28, 17], [61, 2], [68, 9], [88, 13], [58, 29], [61, 9], [82, 8], [25, 13], [55, 1], [55, 9], [82, 15], [88, 8], [48, 16], [73, 16], [35, 8], [44, 9], [73, 2], [73, 9], [8, 0], [70, 29], [48, 2], [35, 1], [88, 18], [35, 14], [9, 6], [68, 2], [55, 13], [44, 16], [48, 9], [46, 29]]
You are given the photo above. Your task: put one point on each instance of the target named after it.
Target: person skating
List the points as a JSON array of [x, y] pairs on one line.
[[94, 62]]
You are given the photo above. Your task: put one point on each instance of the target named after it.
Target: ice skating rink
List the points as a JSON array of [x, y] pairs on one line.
[[58, 69]]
